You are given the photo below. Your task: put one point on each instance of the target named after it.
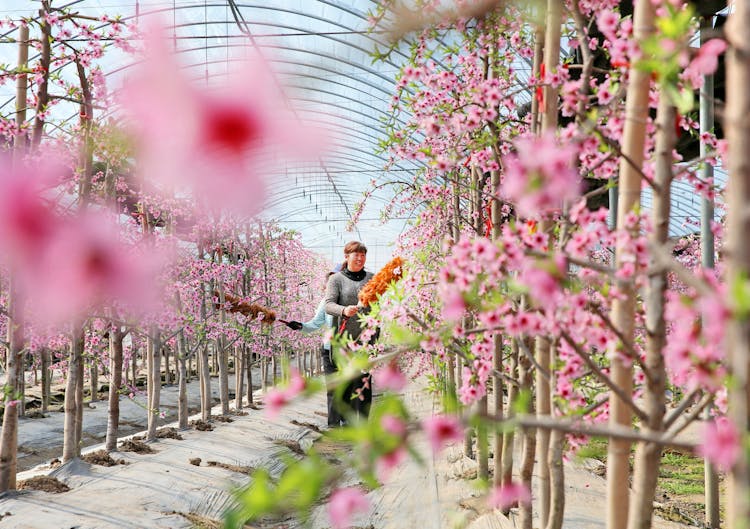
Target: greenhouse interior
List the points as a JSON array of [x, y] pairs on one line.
[[375, 264]]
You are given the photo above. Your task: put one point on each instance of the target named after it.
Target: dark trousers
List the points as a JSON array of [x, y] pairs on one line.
[[356, 398]]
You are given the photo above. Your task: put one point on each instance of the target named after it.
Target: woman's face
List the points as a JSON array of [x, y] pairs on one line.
[[355, 261]]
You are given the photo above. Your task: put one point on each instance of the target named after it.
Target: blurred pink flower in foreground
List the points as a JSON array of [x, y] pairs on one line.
[[344, 504], [441, 430], [85, 265], [706, 61], [276, 399], [540, 175], [721, 443], [390, 377], [27, 221], [506, 496], [387, 462], [214, 142], [66, 266]]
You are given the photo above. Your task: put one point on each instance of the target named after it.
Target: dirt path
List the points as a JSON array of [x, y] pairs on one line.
[[188, 480]]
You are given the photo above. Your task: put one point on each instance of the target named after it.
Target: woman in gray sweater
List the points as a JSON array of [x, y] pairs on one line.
[[341, 303]]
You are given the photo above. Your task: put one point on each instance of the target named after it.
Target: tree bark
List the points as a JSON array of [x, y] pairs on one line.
[[44, 65], [46, 378], [182, 373], [94, 380], [116, 337], [204, 369], [70, 432], [239, 372], [548, 113], [623, 310], [737, 128], [506, 471], [154, 381], [9, 434], [526, 379], [223, 358], [648, 455]]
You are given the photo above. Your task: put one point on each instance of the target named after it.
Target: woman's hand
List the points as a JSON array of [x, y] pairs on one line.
[[350, 311]]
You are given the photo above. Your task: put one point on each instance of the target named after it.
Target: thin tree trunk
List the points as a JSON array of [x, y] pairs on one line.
[[737, 128], [155, 382], [249, 369], [44, 66], [205, 379], [274, 369], [9, 434], [543, 346], [183, 376], [79, 396], [648, 455], [482, 441], [623, 309], [204, 369], [149, 377], [469, 436], [239, 372], [70, 441], [134, 365], [543, 410], [94, 380], [183, 411], [526, 379], [557, 480], [223, 358], [115, 374], [506, 471], [264, 374], [46, 379], [167, 372]]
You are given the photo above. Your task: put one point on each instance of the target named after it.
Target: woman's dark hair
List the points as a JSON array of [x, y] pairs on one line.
[[354, 247]]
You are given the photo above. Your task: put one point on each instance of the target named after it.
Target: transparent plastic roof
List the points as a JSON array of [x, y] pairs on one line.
[[321, 53]]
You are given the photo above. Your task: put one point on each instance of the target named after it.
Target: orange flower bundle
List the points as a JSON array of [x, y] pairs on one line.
[[392, 271], [250, 310]]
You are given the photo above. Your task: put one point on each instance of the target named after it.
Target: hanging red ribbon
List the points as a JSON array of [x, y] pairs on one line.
[[540, 88]]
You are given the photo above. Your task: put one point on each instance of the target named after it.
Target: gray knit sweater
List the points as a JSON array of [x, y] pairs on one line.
[[340, 293]]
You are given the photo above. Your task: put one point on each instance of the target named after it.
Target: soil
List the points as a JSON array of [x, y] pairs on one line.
[[309, 425], [195, 461], [199, 521], [139, 447], [168, 433], [234, 468], [103, 458], [291, 445], [681, 512], [201, 425], [43, 483], [223, 418]]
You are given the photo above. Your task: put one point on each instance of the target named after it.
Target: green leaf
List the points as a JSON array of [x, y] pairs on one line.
[[740, 295]]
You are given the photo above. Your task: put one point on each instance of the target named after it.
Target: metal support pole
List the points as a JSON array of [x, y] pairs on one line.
[[707, 257]]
